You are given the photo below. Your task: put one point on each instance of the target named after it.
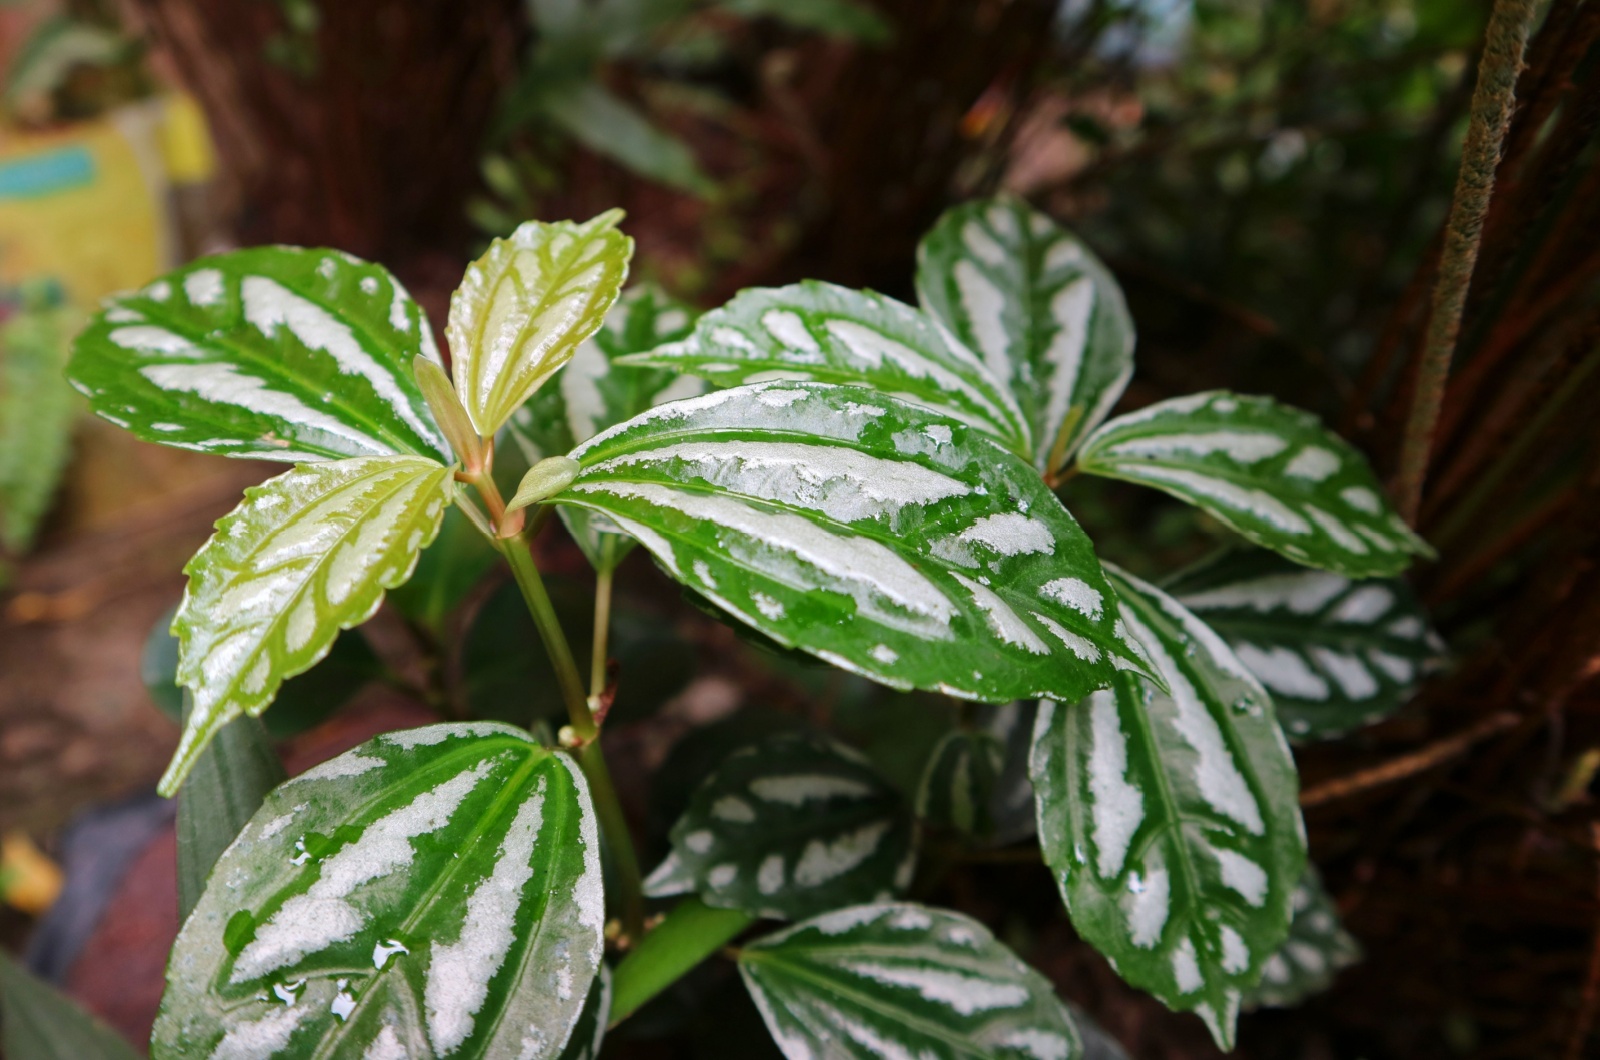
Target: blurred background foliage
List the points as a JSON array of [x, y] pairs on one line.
[[1268, 180]]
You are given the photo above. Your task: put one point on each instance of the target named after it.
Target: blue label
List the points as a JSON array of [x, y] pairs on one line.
[[36, 175]]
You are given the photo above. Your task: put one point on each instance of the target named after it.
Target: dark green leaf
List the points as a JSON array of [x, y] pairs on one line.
[[958, 786], [40, 1023], [1272, 473], [1011, 805], [1317, 949], [447, 571], [36, 413], [434, 892], [1335, 653], [1171, 820], [279, 353], [875, 534], [608, 126], [1046, 316], [788, 828], [900, 980]]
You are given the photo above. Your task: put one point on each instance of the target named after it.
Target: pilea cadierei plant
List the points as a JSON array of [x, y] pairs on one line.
[[869, 482]]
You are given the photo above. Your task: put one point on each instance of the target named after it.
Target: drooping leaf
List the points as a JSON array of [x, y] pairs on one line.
[[609, 126], [36, 413], [526, 304], [1317, 949], [958, 786], [305, 555], [1271, 472], [883, 537], [230, 779], [1046, 316], [38, 1022], [902, 980], [278, 353], [1336, 653], [434, 892], [827, 334], [789, 828], [1171, 820]]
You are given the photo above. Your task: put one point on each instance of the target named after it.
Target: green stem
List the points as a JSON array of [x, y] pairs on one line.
[[690, 933], [602, 633], [614, 828]]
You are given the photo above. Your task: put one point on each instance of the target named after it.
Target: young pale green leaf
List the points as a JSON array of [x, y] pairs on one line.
[[434, 892], [439, 393], [789, 828], [1272, 473], [595, 393], [822, 333], [1318, 948], [37, 1022], [36, 414], [959, 783], [1335, 653], [305, 555], [878, 982], [1171, 820], [543, 480], [1047, 317], [523, 308], [883, 537], [278, 353]]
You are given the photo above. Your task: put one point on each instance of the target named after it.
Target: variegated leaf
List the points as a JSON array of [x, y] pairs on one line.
[[889, 981], [1046, 316], [958, 785], [1271, 472], [789, 828], [1317, 949], [1335, 653], [589, 1033], [526, 304], [1171, 820], [434, 892], [592, 394], [886, 538], [305, 555], [823, 333], [278, 353]]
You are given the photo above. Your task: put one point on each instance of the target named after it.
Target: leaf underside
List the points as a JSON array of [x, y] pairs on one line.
[[885, 538], [1045, 315], [1335, 653], [789, 828], [901, 980], [1272, 473], [277, 353], [434, 892], [305, 555], [1171, 821]]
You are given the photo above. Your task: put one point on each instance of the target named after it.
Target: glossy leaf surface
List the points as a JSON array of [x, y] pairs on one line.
[[880, 536], [1045, 315], [827, 334], [900, 980], [1335, 653], [788, 828], [1171, 821], [1270, 472], [305, 555], [278, 353], [38, 1022], [526, 304], [434, 892], [958, 786], [1317, 949], [595, 393]]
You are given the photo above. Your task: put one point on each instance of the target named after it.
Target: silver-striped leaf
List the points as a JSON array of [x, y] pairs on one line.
[[277, 353], [958, 784], [788, 828], [303, 556], [1043, 312], [1317, 949], [883, 537], [823, 333], [525, 305], [592, 393], [1336, 653], [434, 892], [1171, 821], [894, 981], [1272, 473]]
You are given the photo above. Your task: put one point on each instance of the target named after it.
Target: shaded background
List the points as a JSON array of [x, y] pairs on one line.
[[1267, 178]]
